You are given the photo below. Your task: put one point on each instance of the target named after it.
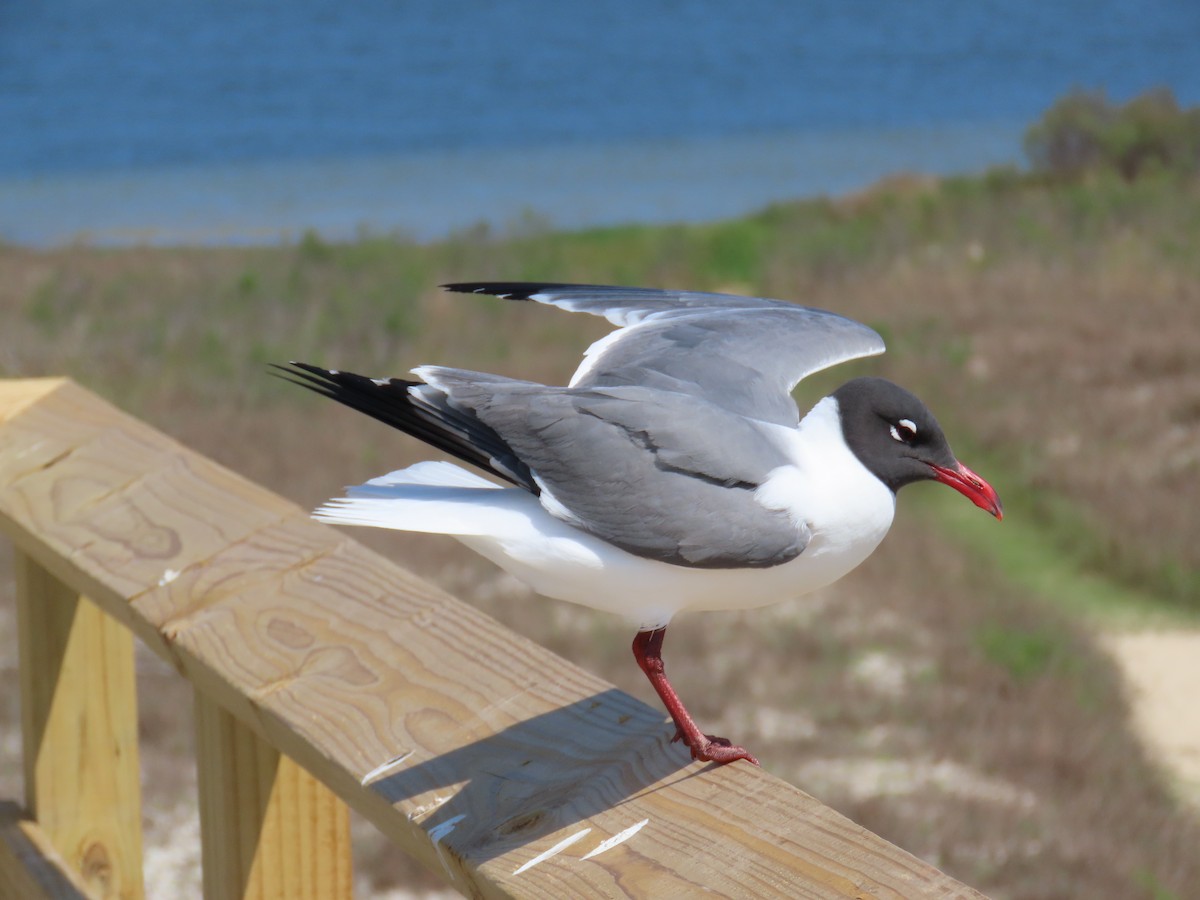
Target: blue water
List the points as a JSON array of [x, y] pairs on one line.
[[178, 120]]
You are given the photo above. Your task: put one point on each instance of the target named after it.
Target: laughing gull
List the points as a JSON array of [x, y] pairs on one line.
[[673, 473]]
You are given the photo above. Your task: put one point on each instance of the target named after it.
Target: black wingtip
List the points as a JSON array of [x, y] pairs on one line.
[[389, 400], [286, 372], [304, 375], [506, 290]]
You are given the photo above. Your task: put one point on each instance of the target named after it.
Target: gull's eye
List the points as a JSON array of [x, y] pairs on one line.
[[904, 431]]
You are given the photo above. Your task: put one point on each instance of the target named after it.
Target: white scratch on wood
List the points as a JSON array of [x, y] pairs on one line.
[[554, 851], [167, 577], [436, 833], [426, 808], [619, 838], [383, 768]]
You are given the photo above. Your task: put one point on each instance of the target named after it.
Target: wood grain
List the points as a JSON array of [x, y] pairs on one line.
[[499, 750], [269, 829], [79, 727]]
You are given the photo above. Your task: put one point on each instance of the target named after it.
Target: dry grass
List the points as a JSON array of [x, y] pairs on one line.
[[922, 695]]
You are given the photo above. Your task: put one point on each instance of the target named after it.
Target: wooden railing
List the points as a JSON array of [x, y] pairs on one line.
[[325, 676]]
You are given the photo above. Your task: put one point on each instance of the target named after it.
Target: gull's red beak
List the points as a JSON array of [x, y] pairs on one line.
[[970, 486]]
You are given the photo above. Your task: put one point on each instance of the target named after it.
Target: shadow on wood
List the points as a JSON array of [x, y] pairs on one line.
[[534, 768]]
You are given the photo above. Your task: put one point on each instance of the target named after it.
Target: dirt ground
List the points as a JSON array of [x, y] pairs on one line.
[[1162, 673]]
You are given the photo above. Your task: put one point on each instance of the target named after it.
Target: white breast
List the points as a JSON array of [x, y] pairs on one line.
[[828, 490]]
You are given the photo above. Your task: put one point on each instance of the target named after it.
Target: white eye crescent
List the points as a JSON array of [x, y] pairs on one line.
[[904, 431]]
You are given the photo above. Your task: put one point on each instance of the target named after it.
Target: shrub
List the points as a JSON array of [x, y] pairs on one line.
[[1085, 131]]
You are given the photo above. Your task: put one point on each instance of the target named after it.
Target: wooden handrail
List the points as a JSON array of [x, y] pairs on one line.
[[508, 770]]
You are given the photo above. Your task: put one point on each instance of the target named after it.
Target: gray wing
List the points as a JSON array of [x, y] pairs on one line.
[[666, 476], [744, 354]]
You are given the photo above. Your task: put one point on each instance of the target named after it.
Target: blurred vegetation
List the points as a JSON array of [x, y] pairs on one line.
[[1100, 275], [1087, 132], [1050, 320]]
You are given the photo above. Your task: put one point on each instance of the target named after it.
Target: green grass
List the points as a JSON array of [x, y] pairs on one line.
[[1153, 887], [1024, 654], [1048, 557], [1048, 546]]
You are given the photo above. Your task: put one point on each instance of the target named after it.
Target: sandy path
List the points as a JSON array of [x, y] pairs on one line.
[[1162, 669]]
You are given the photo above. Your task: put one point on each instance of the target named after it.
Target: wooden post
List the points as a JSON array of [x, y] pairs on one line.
[[267, 827], [79, 725]]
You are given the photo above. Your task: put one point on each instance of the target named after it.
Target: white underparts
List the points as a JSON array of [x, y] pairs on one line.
[[824, 488]]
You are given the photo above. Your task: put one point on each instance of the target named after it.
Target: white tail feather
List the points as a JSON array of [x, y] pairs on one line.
[[433, 508], [436, 472]]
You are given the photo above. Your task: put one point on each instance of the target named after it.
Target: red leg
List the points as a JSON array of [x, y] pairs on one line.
[[647, 650]]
